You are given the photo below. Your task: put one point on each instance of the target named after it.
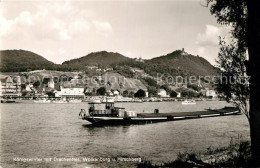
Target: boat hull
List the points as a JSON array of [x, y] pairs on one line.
[[122, 121], [7, 101], [147, 118]]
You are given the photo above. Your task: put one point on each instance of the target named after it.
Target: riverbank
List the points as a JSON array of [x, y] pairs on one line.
[[99, 98], [234, 155]]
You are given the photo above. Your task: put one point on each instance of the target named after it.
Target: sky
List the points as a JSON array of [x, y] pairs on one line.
[[63, 30]]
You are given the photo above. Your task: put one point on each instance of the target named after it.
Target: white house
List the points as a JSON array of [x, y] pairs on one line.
[[116, 92], [162, 93], [51, 83], [110, 93], [28, 88], [75, 92], [178, 94], [146, 94], [211, 93]]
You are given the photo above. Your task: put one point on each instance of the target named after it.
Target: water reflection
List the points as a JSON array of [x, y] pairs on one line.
[[113, 129]]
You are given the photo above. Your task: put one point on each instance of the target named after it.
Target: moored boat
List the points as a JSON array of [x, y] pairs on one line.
[[108, 99], [59, 101], [188, 102], [42, 101], [95, 100], [123, 99], [74, 101], [7, 101]]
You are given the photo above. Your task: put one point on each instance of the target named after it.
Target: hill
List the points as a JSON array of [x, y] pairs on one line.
[[21, 60], [102, 58], [180, 60], [176, 63]]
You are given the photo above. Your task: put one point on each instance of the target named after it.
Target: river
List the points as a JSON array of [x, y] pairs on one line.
[[53, 131]]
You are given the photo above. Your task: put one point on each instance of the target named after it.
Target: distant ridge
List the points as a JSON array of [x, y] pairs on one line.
[[176, 63], [179, 59], [22, 60], [97, 58]]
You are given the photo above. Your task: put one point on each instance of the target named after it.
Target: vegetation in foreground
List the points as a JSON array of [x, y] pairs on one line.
[[234, 155]]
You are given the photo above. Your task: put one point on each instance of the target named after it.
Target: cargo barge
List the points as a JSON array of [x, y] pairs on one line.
[[112, 115]]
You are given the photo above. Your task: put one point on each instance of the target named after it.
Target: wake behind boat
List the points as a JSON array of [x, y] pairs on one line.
[[111, 115]]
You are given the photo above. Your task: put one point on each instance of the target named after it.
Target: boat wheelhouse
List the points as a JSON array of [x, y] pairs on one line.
[[109, 111]]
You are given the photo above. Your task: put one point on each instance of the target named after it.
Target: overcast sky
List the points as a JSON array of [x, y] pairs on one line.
[[63, 30]]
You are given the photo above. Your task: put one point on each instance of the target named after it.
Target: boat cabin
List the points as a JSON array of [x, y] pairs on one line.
[[108, 111]]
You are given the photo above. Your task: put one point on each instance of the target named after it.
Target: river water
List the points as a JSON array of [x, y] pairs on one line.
[[42, 131]]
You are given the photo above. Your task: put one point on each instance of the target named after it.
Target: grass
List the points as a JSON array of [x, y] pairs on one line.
[[234, 155]]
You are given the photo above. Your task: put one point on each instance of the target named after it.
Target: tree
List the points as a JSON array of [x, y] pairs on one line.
[[131, 94], [101, 91], [186, 92], [243, 16], [125, 93], [166, 88], [233, 83], [140, 93], [23, 86], [173, 94], [151, 82], [45, 80], [194, 87], [152, 91], [36, 84], [50, 94]]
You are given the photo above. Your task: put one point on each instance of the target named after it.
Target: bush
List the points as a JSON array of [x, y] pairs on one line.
[[125, 93], [101, 91], [140, 93], [151, 82], [173, 94], [152, 92], [36, 84], [166, 88], [194, 87]]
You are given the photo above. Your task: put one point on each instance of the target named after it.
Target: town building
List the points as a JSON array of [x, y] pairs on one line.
[[72, 92], [162, 93], [211, 93], [139, 59], [116, 92], [51, 83], [108, 69], [178, 95], [10, 87]]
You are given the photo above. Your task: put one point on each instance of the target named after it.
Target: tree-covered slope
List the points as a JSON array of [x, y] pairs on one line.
[[102, 58], [21, 60], [185, 62]]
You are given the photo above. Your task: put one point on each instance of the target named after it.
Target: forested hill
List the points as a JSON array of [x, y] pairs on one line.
[[102, 58], [175, 63], [186, 62], [21, 60]]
